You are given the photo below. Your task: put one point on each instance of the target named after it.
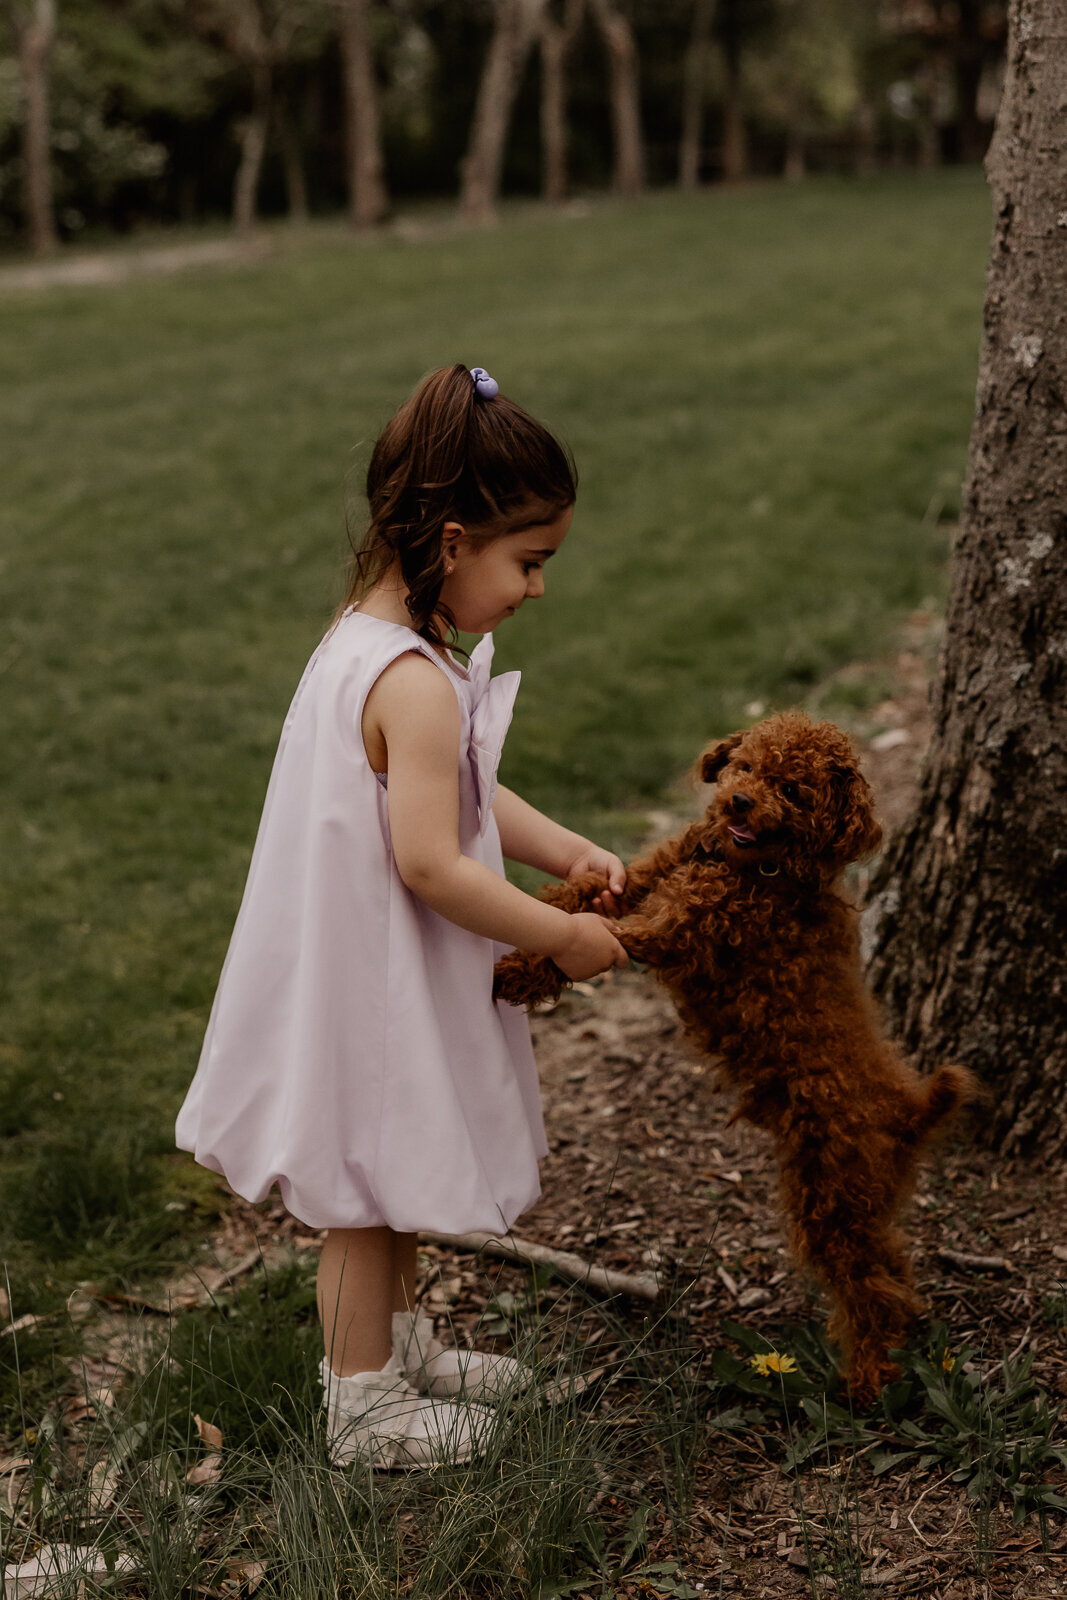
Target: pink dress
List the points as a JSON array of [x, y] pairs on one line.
[[354, 1055]]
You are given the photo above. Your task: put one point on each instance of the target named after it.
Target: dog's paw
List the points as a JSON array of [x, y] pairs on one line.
[[520, 979]]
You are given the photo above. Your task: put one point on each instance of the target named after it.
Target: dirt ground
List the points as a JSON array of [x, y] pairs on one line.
[[644, 1169]]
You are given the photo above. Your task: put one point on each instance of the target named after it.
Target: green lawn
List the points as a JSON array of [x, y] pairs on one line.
[[768, 393]]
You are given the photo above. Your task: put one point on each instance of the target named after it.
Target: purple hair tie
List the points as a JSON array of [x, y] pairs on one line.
[[485, 387]]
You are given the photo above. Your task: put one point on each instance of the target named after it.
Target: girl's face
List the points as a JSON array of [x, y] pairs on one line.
[[489, 581]]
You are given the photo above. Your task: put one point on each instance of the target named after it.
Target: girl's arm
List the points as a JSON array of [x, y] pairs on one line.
[[527, 835], [414, 712]]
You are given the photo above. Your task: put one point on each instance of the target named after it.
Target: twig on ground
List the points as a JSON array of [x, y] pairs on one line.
[[637, 1286], [963, 1258], [876, 1580]]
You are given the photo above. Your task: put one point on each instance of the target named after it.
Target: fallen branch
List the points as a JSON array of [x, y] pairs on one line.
[[962, 1258], [876, 1580], [639, 1286]]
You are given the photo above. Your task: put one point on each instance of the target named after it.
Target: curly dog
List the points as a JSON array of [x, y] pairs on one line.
[[739, 918]]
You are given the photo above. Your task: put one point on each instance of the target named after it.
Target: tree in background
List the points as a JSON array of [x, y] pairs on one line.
[[968, 928], [557, 37], [628, 172], [261, 36], [696, 69], [34, 26], [515, 26], [739, 26], [804, 74], [368, 198]]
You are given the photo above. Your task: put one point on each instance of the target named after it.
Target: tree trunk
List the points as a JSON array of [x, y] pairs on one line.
[[865, 144], [734, 133], [629, 171], [292, 163], [252, 133], [796, 164], [35, 45], [694, 88], [556, 41], [516, 23], [968, 927], [368, 198]]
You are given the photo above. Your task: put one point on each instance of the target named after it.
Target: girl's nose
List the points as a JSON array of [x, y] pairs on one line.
[[535, 584]]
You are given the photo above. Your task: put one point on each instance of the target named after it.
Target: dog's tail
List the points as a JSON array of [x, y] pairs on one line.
[[947, 1092]]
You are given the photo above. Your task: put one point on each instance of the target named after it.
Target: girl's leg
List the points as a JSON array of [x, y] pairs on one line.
[[358, 1284], [405, 1267]]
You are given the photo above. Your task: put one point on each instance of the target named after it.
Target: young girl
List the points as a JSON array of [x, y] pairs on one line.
[[354, 1055]]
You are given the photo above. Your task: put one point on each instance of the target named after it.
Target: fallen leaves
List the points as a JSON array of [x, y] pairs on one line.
[[209, 1468]]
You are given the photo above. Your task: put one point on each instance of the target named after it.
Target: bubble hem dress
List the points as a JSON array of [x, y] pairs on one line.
[[355, 1056]]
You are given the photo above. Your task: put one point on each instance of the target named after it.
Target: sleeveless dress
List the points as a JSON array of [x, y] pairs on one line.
[[354, 1055]]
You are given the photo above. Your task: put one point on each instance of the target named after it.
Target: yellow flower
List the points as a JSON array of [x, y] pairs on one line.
[[31, 1435], [771, 1362], [948, 1362]]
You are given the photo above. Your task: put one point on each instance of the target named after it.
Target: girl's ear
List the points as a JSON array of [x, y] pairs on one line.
[[453, 535], [716, 756]]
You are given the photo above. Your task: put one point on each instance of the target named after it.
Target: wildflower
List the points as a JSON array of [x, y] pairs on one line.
[[31, 1435], [770, 1362], [948, 1361]]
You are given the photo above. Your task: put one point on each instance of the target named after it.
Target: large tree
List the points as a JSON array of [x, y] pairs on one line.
[[34, 24], [968, 927]]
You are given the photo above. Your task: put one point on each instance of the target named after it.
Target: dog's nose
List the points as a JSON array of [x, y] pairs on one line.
[[742, 802]]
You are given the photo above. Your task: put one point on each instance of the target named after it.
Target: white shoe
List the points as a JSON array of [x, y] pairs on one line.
[[377, 1417], [436, 1370]]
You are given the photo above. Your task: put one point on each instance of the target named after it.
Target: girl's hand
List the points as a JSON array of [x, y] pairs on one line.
[[593, 859], [590, 947]]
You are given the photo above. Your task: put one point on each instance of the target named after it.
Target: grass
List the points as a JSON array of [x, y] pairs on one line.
[[769, 395], [522, 1520], [209, 1471]]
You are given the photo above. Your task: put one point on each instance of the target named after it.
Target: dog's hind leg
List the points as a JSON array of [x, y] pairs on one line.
[[945, 1093], [876, 1307]]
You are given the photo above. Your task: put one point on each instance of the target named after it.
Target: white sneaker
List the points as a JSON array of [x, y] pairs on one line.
[[435, 1369], [377, 1417]]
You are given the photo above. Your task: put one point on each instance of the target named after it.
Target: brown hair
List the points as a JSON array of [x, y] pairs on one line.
[[450, 456]]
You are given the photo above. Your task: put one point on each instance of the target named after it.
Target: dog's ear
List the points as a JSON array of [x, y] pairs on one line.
[[858, 833], [716, 756]]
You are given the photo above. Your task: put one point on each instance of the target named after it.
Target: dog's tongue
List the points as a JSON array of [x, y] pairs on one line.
[[742, 832]]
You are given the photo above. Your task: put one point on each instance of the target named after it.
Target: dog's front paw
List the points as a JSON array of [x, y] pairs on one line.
[[521, 979]]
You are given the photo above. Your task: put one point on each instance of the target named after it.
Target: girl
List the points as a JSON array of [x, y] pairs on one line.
[[354, 1055]]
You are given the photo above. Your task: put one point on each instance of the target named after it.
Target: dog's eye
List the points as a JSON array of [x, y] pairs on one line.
[[790, 792], [745, 767]]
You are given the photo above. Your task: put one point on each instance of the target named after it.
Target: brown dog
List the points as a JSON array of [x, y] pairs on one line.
[[739, 919]]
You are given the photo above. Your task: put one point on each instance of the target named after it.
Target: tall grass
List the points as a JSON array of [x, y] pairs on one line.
[[529, 1514]]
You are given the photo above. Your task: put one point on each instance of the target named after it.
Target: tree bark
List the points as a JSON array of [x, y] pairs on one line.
[[629, 168], [252, 133], [368, 198], [557, 39], [968, 927], [515, 26], [35, 46], [694, 90]]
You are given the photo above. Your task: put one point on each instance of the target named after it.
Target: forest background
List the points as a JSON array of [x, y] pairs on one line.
[[116, 114]]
